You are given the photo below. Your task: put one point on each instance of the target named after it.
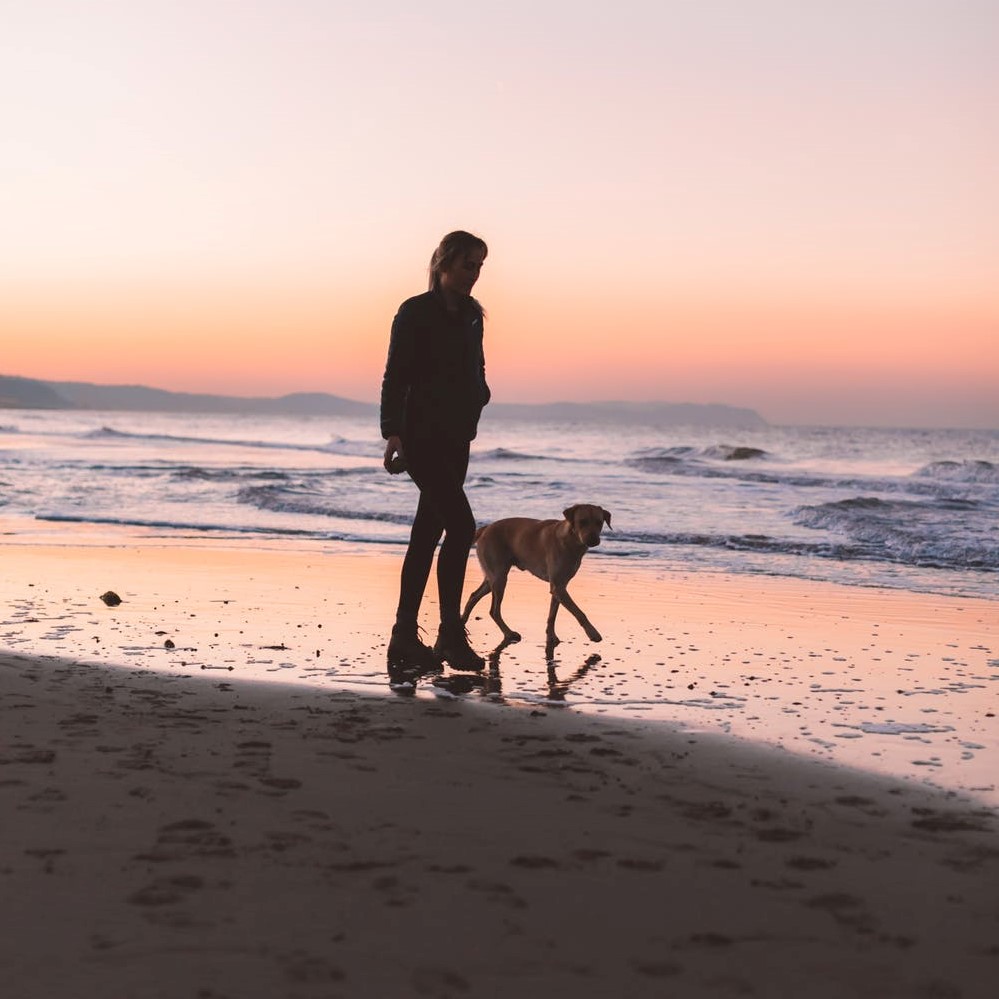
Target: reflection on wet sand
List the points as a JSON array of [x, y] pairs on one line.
[[405, 680], [557, 689]]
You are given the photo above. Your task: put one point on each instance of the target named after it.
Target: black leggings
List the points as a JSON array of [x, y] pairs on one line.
[[438, 468]]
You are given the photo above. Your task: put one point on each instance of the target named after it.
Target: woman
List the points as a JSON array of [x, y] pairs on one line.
[[432, 394]]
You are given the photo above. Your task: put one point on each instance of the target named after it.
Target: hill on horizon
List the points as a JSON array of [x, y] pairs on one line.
[[27, 393]]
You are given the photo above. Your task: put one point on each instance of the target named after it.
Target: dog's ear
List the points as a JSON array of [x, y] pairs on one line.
[[606, 516], [570, 513]]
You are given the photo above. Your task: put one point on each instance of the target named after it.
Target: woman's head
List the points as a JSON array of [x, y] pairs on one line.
[[457, 261]]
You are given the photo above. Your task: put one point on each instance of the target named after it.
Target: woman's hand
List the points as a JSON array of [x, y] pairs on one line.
[[393, 447]]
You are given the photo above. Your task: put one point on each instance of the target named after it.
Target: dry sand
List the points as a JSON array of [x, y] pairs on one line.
[[174, 831]]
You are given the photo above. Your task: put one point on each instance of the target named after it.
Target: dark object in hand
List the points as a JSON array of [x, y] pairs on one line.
[[397, 464]]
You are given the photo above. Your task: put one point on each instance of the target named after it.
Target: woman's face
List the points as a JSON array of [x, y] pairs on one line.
[[460, 278]]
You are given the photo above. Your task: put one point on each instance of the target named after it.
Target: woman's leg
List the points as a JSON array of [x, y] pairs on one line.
[[439, 470], [459, 533], [423, 537]]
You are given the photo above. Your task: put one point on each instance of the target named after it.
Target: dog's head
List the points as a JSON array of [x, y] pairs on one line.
[[586, 521]]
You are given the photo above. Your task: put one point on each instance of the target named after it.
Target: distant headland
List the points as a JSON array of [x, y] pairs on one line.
[[30, 393]]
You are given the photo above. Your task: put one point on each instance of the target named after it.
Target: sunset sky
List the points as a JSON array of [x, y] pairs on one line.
[[790, 205]]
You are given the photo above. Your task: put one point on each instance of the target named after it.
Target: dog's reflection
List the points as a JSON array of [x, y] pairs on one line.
[[557, 689]]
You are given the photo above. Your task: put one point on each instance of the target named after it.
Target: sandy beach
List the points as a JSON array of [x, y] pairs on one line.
[[209, 790]]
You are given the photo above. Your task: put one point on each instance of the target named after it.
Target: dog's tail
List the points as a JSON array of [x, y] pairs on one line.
[[478, 533]]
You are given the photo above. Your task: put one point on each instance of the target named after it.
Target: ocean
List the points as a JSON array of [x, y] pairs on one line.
[[914, 510]]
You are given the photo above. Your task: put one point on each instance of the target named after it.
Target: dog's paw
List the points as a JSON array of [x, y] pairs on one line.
[[594, 636], [511, 636]]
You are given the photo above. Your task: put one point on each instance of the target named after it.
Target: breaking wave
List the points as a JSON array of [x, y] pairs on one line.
[[338, 445], [284, 499], [961, 471], [915, 533]]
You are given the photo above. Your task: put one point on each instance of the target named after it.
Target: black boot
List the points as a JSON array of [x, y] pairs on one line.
[[406, 651], [452, 646]]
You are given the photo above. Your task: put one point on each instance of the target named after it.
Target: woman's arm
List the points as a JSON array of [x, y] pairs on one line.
[[398, 373]]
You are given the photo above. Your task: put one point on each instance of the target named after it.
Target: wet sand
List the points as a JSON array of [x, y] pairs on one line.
[[906, 685], [183, 821]]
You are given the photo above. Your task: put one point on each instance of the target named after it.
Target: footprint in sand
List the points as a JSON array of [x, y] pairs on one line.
[[588, 856], [167, 891], [535, 863], [47, 856], [281, 784], [29, 754], [934, 821], [778, 835], [809, 863], [659, 969], [300, 966], [279, 842], [189, 838], [711, 940], [498, 892], [639, 864], [706, 811], [846, 909], [439, 982]]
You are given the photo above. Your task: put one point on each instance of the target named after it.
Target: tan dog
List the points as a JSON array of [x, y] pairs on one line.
[[552, 550]]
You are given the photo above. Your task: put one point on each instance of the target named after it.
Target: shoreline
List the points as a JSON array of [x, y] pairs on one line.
[[900, 683]]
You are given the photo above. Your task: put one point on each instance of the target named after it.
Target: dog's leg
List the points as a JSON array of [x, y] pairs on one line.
[[483, 589], [499, 588], [560, 594], [551, 639]]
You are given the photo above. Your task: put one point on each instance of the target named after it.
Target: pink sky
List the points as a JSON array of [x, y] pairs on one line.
[[761, 202]]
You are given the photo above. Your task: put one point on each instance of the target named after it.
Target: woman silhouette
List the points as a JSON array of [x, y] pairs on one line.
[[433, 392]]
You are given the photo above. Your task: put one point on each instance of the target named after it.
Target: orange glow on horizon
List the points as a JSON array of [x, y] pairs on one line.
[[271, 341]]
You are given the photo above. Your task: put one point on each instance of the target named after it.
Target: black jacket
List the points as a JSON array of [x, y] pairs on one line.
[[435, 376]]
